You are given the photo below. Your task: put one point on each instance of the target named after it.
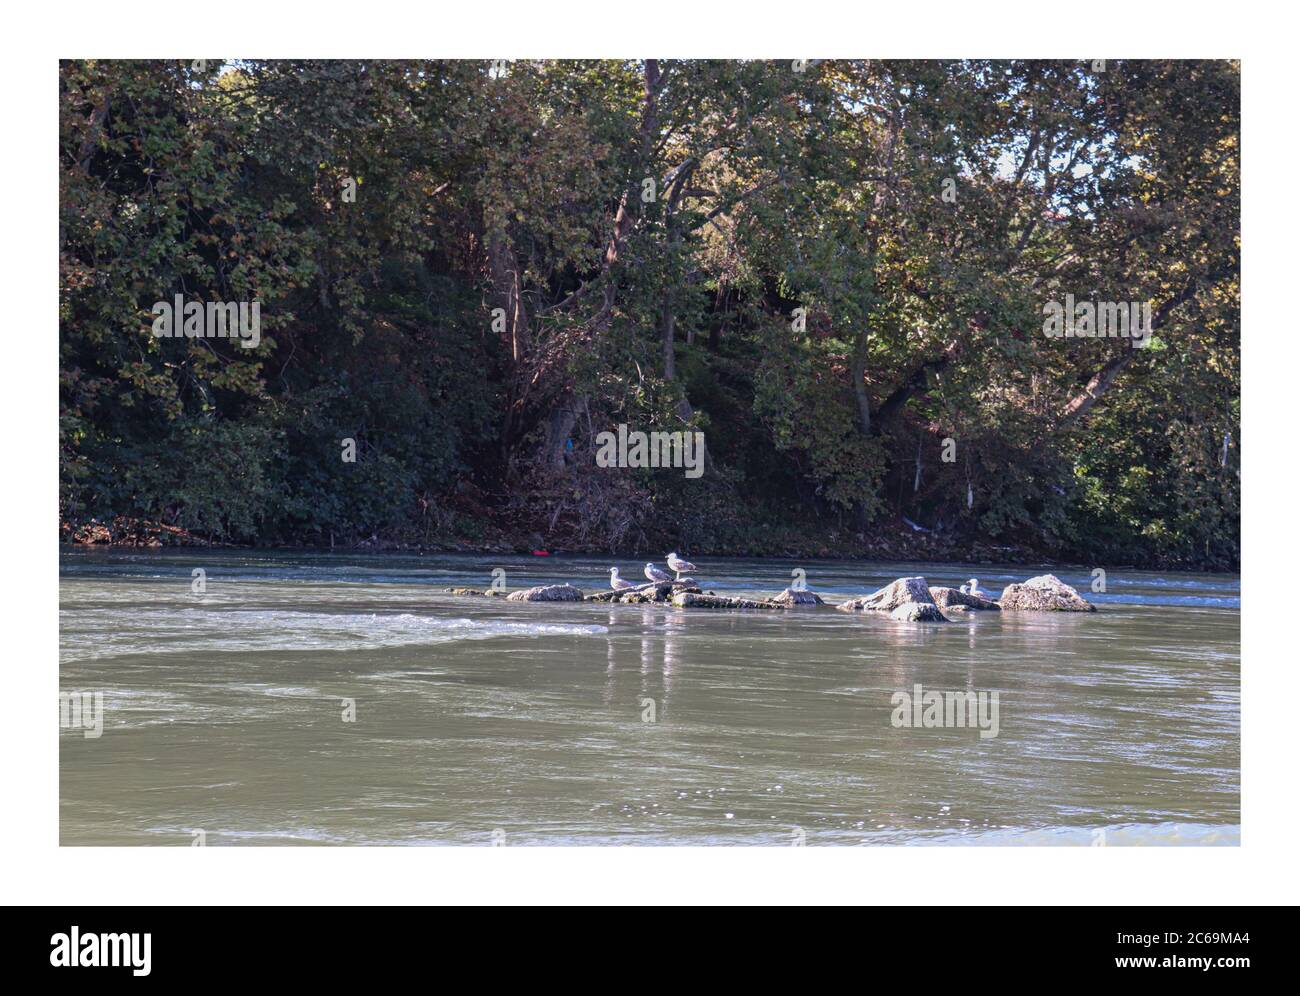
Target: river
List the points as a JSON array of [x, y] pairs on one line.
[[317, 699]]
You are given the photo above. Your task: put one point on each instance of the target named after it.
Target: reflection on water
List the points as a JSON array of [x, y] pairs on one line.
[[224, 711]]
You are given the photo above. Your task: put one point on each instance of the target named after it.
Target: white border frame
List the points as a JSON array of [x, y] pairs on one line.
[[36, 870]]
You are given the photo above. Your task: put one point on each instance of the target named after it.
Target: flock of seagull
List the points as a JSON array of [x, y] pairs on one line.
[[675, 563], [680, 567]]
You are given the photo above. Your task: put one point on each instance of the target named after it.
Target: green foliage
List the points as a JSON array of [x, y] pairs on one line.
[[919, 213], [811, 417]]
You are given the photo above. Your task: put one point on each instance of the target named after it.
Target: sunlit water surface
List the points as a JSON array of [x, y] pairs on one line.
[[478, 720]]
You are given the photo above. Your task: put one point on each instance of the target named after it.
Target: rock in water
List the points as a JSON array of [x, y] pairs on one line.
[[690, 600], [798, 596], [1045, 593], [547, 593], [950, 597], [662, 591], [918, 612], [890, 597]]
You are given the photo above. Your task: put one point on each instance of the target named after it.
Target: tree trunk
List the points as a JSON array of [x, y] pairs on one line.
[[667, 327], [559, 428], [914, 382], [858, 373], [1098, 384], [94, 125], [506, 294], [562, 415]]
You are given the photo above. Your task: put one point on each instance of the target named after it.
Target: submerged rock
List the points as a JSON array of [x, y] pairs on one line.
[[547, 593], [949, 598], [798, 596], [1045, 593], [695, 600], [918, 612], [890, 597], [464, 591]]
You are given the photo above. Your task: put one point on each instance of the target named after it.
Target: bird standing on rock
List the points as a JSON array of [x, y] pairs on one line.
[[616, 582], [655, 574], [679, 565], [972, 587]]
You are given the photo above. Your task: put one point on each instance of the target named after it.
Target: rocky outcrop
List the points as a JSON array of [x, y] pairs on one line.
[[656, 591], [695, 600], [547, 593], [907, 599], [890, 597], [641, 596], [918, 612], [798, 596], [952, 597], [1045, 593]]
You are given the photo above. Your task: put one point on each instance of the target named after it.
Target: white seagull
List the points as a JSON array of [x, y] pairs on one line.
[[655, 574], [618, 583], [679, 565], [974, 589]]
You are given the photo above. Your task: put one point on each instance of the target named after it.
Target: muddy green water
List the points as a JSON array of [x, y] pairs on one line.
[[478, 721]]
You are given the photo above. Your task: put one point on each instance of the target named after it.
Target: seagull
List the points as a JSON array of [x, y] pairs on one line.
[[655, 574], [679, 565], [974, 589], [964, 589], [616, 582]]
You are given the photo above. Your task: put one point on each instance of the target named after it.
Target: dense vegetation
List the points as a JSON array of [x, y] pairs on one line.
[[837, 271]]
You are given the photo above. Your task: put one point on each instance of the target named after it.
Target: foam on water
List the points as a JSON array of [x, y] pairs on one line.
[[96, 634]]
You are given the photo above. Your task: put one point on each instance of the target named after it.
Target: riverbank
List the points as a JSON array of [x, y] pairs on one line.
[[896, 540]]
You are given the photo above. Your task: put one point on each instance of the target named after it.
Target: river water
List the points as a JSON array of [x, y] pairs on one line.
[[322, 699]]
